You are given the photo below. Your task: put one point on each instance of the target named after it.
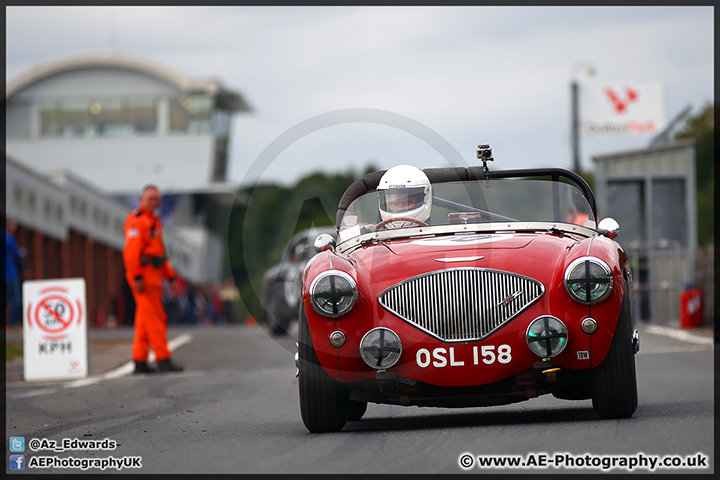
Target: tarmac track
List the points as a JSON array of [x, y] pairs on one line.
[[235, 410]]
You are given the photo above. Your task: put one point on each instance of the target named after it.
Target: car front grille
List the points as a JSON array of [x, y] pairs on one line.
[[461, 304]]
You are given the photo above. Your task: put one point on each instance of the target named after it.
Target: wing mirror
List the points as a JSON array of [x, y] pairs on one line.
[[608, 227], [323, 242]]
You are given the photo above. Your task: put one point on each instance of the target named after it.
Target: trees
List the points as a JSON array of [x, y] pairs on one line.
[[701, 129], [263, 223]]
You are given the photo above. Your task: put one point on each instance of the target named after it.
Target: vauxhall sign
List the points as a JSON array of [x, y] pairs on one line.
[[636, 108]]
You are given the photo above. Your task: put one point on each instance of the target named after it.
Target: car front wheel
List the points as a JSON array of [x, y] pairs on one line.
[[615, 384], [356, 410], [323, 401], [277, 321]]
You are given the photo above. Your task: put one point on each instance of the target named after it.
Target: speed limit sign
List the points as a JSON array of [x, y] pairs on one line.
[[54, 329]]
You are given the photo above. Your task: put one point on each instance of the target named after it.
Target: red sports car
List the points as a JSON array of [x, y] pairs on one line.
[[461, 286]]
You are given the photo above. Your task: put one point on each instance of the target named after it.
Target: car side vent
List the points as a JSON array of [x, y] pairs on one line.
[[461, 304]]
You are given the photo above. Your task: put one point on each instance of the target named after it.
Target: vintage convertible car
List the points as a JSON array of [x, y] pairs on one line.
[[280, 297], [508, 291]]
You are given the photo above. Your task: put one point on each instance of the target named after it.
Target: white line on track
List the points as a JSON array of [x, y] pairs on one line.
[[677, 335], [177, 342], [662, 350], [123, 370]]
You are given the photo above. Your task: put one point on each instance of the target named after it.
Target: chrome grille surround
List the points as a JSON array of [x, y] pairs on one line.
[[461, 304]]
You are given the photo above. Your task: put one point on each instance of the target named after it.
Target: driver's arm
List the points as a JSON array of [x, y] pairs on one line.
[[368, 229]]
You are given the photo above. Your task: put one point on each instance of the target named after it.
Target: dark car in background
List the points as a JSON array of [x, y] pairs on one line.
[[281, 283]]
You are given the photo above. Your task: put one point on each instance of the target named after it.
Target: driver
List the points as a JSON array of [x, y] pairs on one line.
[[404, 191]]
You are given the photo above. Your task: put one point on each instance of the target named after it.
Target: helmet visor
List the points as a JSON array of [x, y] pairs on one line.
[[397, 200]]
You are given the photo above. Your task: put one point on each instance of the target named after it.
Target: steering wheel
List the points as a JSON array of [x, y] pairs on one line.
[[417, 222]]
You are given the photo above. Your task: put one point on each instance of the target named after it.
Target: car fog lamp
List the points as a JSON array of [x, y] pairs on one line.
[[337, 338], [588, 280], [589, 325], [380, 348], [333, 293], [547, 336]]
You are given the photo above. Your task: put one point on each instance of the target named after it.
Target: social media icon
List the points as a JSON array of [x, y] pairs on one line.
[[17, 444], [17, 462]]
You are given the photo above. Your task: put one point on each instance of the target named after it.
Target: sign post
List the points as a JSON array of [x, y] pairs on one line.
[[55, 329]]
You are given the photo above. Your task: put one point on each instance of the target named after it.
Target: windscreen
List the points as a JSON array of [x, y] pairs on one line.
[[502, 200]]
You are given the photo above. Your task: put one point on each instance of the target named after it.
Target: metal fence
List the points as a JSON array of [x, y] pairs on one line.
[[658, 270]]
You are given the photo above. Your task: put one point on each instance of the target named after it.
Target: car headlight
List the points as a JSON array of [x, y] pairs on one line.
[[547, 336], [588, 280], [333, 293], [380, 348]]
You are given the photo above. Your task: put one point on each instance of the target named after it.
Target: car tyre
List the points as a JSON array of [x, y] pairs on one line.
[[323, 401], [276, 321], [615, 384], [356, 410]]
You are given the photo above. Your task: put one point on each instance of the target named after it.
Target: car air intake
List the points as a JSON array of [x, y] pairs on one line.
[[461, 304]]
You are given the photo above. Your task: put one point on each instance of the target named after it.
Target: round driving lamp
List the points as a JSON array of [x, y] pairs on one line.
[[589, 325], [380, 348], [333, 293], [547, 336], [337, 338], [588, 280]]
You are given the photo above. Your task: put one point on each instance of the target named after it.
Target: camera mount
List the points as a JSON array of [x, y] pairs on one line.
[[484, 153]]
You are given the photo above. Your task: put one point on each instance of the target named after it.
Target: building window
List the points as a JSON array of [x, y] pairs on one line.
[[142, 115], [191, 114], [50, 119], [110, 118], [178, 116], [200, 114], [75, 118], [118, 117], [47, 206]]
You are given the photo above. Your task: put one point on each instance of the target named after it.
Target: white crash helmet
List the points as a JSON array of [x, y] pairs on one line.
[[404, 191]]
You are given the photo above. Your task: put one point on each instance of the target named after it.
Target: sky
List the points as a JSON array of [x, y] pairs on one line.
[[336, 89]]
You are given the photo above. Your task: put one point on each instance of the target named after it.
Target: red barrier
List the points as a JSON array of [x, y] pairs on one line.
[[691, 308]]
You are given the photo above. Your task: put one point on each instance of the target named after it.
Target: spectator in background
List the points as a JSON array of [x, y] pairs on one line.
[[187, 303], [577, 214], [210, 315], [200, 306], [145, 268], [217, 304], [13, 276], [170, 302], [229, 295], [181, 298]]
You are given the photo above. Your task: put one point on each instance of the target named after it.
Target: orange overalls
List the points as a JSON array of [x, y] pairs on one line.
[[144, 257]]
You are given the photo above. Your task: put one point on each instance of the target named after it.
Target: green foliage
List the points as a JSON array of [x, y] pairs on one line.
[[266, 216], [217, 215], [589, 177], [12, 351], [701, 129]]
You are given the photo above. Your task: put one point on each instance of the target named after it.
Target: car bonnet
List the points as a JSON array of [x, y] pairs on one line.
[[459, 243]]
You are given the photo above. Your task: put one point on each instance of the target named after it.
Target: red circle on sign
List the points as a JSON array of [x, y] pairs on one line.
[[44, 307]]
